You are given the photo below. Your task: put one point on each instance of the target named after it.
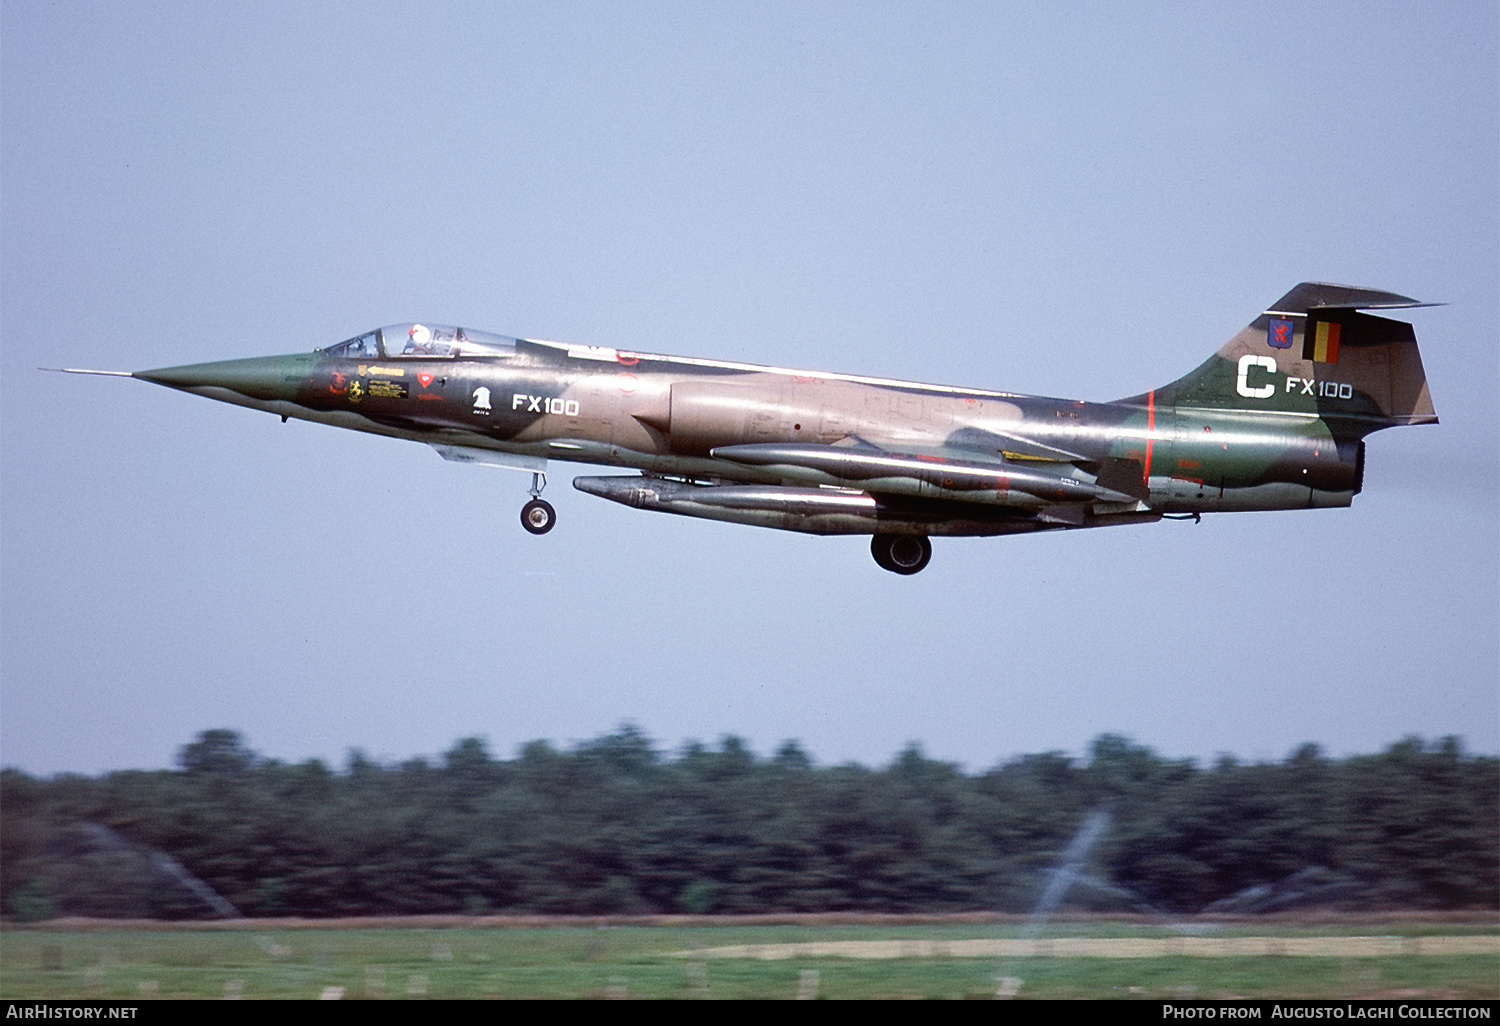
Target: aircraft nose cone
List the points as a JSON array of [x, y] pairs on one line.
[[266, 377]]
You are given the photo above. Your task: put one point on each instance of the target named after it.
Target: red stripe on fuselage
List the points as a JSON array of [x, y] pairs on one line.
[[1150, 433]]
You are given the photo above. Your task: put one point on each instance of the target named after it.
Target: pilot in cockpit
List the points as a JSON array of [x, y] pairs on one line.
[[418, 341]]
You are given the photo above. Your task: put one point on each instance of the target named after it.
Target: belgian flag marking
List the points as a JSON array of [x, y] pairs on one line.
[[1321, 344]]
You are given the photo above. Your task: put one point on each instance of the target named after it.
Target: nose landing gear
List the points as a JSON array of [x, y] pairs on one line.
[[538, 516]]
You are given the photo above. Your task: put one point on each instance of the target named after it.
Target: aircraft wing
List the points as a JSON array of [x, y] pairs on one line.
[[1030, 486], [1019, 447]]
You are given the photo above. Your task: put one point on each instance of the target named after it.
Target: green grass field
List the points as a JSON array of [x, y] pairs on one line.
[[580, 961]]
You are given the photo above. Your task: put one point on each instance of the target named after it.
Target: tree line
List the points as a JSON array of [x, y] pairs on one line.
[[616, 826]]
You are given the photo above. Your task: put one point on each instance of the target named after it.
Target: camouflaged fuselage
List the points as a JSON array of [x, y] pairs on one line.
[[1275, 420]]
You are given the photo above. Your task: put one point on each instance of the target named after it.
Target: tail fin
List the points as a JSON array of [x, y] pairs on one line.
[[1313, 352]]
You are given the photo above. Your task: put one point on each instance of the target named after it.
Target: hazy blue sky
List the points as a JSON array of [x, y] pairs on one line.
[[1064, 199]]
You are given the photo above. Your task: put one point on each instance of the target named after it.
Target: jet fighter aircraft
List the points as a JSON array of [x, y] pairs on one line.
[[1275, 420]]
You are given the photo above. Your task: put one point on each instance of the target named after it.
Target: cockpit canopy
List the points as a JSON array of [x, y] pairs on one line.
[[423, 341]]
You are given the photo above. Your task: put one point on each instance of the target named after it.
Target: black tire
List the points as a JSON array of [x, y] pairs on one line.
[[538, 516], [901, 553]]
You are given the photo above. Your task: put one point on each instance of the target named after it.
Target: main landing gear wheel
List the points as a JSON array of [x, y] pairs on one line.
[[538, 516], [901, 553]]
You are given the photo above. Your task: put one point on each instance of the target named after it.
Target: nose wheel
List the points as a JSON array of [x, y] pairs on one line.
[[901, 553], [538, 516]]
